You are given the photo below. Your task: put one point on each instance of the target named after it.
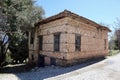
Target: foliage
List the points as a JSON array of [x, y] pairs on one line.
[[16, 18], [18, 47], [21, 14], [114, 43], [8, 59], [113, 52]]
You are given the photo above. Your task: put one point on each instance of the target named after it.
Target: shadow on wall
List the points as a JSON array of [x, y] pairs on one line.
[[25, 72]]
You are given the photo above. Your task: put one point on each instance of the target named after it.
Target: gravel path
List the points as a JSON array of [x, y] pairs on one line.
[[108, 69]]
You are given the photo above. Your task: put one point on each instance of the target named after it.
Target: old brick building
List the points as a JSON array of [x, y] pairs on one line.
[[67, 39]]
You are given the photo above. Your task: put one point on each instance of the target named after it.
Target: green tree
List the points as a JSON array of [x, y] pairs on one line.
[[117, 33], [18, 47], [16, 19]]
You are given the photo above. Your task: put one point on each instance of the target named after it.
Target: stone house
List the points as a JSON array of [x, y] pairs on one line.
[[67, 39]]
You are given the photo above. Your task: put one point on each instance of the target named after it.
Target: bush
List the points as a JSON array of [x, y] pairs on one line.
[[8, 59], [113, 52]]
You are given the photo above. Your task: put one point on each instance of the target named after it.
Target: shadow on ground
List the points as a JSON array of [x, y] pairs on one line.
[[24, 72], [17, 68]]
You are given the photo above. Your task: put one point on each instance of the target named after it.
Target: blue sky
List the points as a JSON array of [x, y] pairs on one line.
[[100, 11]]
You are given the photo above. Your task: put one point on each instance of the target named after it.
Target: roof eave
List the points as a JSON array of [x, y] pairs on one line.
[[67, 13]]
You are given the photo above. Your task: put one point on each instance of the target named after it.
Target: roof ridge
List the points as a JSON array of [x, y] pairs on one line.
[[67, 13]]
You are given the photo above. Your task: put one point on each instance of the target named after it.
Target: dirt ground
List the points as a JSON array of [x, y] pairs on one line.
[[108, 69]]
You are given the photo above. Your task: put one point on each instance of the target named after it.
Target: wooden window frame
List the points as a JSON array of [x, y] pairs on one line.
[[40, 37], [32, 57], [105, 44], [31, 37], [77, 42], [57, 42]]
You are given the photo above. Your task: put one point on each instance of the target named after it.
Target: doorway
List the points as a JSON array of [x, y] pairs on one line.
[[41, 61], [53, 61]]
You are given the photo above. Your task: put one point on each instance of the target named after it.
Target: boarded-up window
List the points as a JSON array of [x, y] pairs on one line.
[[56, 41], [105, 44], [77, 42], [40, 42]]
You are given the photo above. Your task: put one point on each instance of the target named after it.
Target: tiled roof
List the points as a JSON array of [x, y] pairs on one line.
[[67, 13]]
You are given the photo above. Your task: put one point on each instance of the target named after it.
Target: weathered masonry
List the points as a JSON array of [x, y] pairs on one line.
[[67, 39]]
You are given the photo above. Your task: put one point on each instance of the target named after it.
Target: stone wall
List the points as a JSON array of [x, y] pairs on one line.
[[92, 41]]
